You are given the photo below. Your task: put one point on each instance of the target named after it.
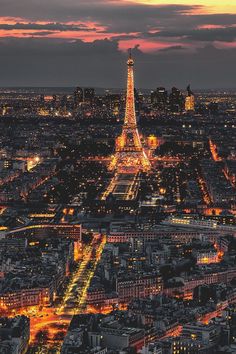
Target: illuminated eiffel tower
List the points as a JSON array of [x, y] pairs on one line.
[[130, 155]]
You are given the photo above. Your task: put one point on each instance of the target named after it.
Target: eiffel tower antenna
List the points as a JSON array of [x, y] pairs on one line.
[[130, 53]]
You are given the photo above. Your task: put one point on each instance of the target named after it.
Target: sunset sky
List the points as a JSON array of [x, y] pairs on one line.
[[84, 42]]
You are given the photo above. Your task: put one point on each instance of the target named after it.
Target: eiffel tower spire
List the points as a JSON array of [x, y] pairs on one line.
[[130, 116]]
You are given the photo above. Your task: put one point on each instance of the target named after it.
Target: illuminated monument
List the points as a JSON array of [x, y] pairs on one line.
[[130, 155]]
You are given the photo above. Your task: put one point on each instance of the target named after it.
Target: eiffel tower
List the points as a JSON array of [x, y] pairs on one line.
[[130, 156]]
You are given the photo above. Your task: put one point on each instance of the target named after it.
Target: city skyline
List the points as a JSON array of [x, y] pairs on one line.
[[117, 177], [174, 43], [118, 220]]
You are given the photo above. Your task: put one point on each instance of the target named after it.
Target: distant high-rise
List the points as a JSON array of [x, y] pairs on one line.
[[213, 108], [78, 96], [64, 101], [159, 98], [42, 100], [189, 100], [54, 101], [89, 95], [176, 100], [138, 97], [112, 100]]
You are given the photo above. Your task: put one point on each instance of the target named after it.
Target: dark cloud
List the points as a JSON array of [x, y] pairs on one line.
[[227, 34], [116, 16], [93, 9], [127, 37], [47, 26], [173, 48], [38, 33], [189, 54], [212, 19], [46, 62]]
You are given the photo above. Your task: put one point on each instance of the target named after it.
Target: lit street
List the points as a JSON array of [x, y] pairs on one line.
[[74, 301]]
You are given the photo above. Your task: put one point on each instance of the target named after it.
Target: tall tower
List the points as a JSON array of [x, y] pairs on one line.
[[189, 100], [130, 155]]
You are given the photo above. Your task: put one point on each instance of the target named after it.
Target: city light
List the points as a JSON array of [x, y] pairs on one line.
[[118, 208]]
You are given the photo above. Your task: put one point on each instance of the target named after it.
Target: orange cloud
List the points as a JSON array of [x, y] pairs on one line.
[[210, 26], [90, 32], [225, 45], [12, 20]]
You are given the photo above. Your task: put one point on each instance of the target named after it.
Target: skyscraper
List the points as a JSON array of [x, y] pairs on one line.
[[41, 100], [189, 100], [89, 95], [159, 98], [176, 100], [54, 102], [78, 96], [64, 101]]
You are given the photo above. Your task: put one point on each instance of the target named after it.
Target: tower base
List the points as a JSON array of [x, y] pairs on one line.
[[130, 162]]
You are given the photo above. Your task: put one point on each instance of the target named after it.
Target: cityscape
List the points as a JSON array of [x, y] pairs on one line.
[[118, 203]]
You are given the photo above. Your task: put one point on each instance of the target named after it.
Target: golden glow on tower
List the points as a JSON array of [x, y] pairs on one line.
[[130, 155]]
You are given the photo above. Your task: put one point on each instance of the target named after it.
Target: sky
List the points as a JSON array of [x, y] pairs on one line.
[[85, 43]]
